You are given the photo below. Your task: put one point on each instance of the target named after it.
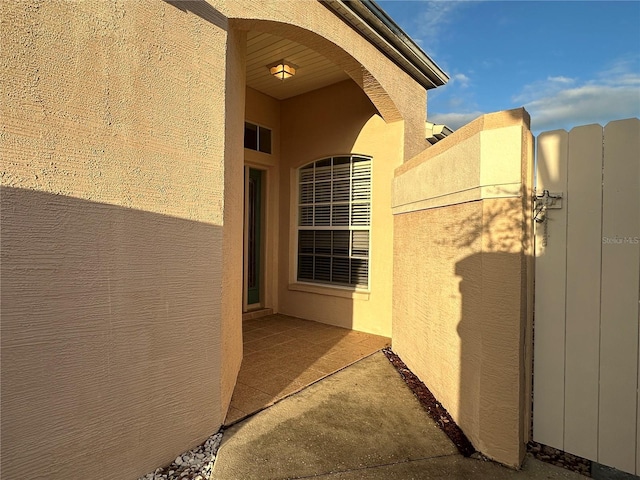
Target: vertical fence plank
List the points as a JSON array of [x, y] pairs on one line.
[[584, 215], [619, 314], [550, 277]]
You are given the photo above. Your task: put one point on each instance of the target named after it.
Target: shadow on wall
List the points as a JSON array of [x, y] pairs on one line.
[[110, 337], [461, 312], [493, 289], [500, 227]]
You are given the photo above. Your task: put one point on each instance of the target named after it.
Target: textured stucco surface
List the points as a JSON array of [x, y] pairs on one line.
[[112, 208], [122, 216], [101, 335], [461, 310], [231, 328], [339, 120], [467, 173]]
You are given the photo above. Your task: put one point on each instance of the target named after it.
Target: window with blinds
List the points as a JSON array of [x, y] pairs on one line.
[[334, 217]]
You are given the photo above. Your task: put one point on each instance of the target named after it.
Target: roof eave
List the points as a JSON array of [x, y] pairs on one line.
[[375, 25]]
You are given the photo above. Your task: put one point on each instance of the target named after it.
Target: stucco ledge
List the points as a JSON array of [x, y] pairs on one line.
[[482, 192], [330, 291]]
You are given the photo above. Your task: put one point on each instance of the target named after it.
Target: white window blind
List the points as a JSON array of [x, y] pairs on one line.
[[334, 217]]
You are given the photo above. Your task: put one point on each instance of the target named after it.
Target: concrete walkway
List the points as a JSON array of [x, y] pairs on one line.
[[360, 423]]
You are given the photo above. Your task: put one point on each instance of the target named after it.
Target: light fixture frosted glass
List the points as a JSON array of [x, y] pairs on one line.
[[283, 69]]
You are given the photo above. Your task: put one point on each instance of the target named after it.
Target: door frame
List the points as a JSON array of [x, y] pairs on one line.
[[246, 306]]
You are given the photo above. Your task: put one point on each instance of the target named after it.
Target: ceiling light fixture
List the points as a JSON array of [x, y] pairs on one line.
[[282, 69]]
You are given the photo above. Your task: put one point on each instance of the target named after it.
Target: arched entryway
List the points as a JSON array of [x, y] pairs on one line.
[[320, 111]]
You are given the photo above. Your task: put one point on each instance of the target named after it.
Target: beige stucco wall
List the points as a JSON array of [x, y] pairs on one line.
[[122, 216], [113, 180], [332, 121], [233, 198], [462, 278]]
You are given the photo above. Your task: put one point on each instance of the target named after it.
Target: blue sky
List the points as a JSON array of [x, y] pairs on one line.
[[568, 63]]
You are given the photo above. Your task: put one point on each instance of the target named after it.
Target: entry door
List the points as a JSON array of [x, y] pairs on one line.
[[253, 236]]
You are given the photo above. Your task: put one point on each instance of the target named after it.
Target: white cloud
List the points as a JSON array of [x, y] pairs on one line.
[[562, 102], [561, 80], [455, 102], [586, 104], [621, 66], [433, 20], [540, 88], [460, 78], [456, 81], [454, 120]]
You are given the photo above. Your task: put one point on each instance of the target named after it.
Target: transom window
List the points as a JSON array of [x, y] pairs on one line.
[[334, 218], [257, 138]]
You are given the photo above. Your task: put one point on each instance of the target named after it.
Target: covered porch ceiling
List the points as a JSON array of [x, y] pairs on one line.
[[314, 70]]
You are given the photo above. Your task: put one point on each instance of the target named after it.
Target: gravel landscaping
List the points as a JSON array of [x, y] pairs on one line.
[[559, 458], [196, 464]]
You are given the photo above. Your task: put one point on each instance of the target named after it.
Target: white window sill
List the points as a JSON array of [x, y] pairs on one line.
[[330, 290]]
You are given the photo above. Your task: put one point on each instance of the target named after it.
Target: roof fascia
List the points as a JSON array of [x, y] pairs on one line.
[[375, 25]]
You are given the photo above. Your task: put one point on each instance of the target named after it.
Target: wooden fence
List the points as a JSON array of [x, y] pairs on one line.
[[586, 354]]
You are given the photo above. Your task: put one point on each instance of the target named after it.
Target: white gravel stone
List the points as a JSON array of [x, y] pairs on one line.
[[196, 464]]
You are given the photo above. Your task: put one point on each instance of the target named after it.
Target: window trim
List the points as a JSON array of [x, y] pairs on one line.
[[319, 287]]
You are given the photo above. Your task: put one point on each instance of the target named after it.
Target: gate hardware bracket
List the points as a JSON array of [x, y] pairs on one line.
[[543, 202], [549, 200]]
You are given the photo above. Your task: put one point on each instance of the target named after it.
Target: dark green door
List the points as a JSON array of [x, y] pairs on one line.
[[254, 234]]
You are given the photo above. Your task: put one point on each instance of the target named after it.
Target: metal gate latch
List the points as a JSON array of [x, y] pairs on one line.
[[546, 201]]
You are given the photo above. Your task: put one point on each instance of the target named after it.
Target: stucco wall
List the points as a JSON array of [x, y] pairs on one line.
[[462, 278], [112, 208], [122, 216], [339, 120], [233, 198]]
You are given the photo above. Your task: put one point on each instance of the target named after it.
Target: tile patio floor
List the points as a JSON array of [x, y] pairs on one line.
[[284, 354]]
